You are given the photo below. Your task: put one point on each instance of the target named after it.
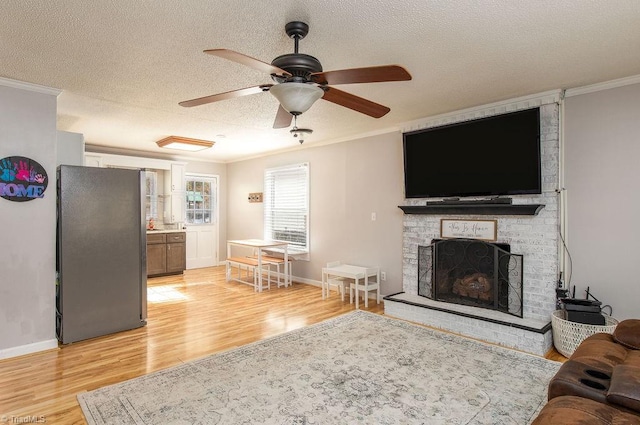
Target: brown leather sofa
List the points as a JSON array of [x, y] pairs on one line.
[[600, 383]]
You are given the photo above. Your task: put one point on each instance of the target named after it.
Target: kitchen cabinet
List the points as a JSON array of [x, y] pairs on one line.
[[174, 190], [156, 254], [177, 177], [174, 208], [176, 252], [166, 253]]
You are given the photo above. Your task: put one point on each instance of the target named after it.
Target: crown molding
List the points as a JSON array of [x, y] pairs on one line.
[[29, 86], [620, 82]]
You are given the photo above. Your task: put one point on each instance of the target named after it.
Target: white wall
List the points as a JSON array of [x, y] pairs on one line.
[[348, 182], [602, 150], [70, 148], [28, 240]]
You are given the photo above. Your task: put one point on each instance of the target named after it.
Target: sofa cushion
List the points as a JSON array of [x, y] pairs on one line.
[[627, 333], [625, 387], [579, 379], [633, 358], [600, 351], [576, 410]]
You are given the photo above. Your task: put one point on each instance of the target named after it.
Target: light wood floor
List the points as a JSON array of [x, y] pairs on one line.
[[189, 316]]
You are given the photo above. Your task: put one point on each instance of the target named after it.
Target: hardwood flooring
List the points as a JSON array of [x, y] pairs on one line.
[[189, 316]]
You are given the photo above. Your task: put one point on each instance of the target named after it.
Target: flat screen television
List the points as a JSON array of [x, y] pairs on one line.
[[493, 156]]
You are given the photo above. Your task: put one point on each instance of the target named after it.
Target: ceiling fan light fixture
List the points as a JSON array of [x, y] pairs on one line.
[[296, 98], [184, 143], [300, 133]]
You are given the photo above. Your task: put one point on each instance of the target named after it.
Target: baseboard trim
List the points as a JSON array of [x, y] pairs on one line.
[[22, 350], [307, 281]]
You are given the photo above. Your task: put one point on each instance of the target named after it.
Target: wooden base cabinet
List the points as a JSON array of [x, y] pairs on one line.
[[156, 258], [166, 253], [176, 252]]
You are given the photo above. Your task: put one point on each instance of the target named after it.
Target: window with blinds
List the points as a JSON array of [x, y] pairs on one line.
[[286, 205]]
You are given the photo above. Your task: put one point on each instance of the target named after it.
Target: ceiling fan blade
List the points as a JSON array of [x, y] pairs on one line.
[[247, 61], [227, 95], [372, 74], [283, 118], [354, 102]]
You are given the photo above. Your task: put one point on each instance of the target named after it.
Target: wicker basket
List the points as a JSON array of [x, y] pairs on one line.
[[568, 335]]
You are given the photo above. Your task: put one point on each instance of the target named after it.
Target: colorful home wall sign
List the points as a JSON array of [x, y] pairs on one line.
[[22, 179]]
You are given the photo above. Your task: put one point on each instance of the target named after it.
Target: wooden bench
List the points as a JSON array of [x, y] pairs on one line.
[[250, 265], [277, 262]]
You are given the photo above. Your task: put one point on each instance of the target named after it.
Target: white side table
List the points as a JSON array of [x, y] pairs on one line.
[[356, 273]]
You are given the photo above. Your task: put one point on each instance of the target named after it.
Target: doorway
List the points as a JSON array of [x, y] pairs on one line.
[[202, 220]]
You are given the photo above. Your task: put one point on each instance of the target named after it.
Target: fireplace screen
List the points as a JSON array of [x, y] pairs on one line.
[[471, 272]]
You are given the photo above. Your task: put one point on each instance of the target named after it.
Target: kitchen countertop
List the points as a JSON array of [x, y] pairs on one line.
[[165, 231]]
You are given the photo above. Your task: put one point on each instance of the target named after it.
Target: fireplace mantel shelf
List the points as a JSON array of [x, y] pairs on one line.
[[473, 209]]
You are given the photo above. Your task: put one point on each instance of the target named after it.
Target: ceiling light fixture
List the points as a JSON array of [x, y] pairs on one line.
[[299, 133], [296, 98], [184, 143]]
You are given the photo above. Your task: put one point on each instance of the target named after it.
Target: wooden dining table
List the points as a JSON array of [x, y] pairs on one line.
[[260, 245]]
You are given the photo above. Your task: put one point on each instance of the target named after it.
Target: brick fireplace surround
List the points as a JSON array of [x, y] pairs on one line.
[[536, 237]]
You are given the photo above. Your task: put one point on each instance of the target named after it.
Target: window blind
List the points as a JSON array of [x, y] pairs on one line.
[[286, 205]]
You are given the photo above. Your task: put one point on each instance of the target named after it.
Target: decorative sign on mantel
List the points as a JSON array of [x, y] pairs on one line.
[[486, 230]]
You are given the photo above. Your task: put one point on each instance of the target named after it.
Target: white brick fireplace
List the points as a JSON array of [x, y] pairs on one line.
[[533, 236]]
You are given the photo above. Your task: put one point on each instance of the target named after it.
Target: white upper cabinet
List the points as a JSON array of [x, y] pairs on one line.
[[174, 206]]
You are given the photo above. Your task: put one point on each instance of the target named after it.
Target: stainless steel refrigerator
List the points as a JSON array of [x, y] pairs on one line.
[[101, 252]]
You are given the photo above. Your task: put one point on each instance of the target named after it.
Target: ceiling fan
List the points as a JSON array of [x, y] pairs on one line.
[[300, 81]]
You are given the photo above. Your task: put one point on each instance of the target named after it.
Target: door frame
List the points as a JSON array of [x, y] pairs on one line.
[[216, 210]]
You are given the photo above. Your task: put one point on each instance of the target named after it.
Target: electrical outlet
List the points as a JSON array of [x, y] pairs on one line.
[[383, 275], [373, 216], [255, 197]]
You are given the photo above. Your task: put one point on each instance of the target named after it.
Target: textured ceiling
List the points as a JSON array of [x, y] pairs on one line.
[[124, 65]]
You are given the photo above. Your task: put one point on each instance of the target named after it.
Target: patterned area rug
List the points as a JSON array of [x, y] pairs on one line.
[[357, 368]]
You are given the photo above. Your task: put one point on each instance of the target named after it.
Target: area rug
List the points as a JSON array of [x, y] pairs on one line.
[[357, 368]]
